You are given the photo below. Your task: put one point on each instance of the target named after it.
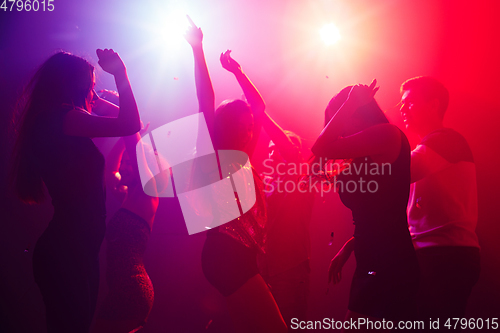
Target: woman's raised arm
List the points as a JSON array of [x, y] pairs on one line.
[[204, 89], [252, 95], [77, 122]]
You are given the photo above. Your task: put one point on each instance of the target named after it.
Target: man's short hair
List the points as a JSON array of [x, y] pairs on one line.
[[429, 88]]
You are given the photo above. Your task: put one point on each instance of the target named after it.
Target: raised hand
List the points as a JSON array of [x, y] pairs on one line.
[[110, 61], [229, 63], [193, 35], [361, 94]]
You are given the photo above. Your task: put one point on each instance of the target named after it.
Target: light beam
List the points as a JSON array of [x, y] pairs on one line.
[[330, 34]]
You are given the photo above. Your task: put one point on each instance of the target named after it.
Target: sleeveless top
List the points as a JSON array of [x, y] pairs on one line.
[[72, 169], [377, 195], [442, 210]]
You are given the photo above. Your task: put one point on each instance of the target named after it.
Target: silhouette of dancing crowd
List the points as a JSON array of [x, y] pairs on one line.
[[416, 250]]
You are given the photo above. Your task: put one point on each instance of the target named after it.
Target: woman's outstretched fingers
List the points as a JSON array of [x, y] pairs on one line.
[[193, 35], [191, 22], [373, 87]]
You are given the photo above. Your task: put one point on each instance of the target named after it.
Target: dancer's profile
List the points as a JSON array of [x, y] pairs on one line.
[[386, 277], [54, 149], [442, 210]]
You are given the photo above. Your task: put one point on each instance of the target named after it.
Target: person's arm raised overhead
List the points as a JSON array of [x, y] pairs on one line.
[[378, 140], [254, 98], [204, 89], [81, 123], [252, 95], [358, 96]]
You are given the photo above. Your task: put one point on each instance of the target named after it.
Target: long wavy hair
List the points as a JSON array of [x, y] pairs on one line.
[[62, 80]]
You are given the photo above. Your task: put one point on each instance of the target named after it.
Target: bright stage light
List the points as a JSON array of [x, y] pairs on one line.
[[171, 28], [330, 34]]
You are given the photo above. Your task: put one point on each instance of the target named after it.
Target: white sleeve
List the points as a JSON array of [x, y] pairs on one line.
[[425, 161]]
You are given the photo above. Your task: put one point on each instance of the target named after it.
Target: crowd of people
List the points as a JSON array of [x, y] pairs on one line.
[[416, 250]]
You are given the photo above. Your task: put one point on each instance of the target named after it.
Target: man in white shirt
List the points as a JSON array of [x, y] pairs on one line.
[[442, 209]]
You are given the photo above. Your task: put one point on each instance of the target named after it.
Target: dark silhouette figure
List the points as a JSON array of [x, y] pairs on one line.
[[54, 149], [386, 277], [230, 251]]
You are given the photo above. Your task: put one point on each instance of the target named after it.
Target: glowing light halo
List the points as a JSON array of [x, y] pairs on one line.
[[330, 34], [172, 28], [156, 31], [166, 27], [159, 27]]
